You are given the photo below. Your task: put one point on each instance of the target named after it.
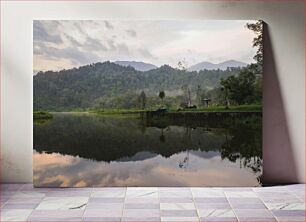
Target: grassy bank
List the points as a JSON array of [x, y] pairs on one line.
[[42, 115], [118, 111], [241, 108]]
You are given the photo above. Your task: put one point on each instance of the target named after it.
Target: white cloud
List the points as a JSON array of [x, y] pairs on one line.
[[156, 42]]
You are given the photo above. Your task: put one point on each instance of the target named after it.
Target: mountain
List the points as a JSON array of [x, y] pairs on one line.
[[212, 66], [139, 66], [111, 85]]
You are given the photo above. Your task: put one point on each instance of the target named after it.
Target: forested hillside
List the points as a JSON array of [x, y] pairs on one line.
[[110, 85]]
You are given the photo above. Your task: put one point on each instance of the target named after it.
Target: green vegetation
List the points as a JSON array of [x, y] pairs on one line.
[[117, 111], [238, 108], [109, 88], [42, 115]]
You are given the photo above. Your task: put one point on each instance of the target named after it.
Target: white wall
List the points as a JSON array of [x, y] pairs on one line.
[[284, 86]]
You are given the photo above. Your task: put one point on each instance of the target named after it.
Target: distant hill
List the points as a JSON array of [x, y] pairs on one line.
[[139, 66], [212, 66], [112, 85]]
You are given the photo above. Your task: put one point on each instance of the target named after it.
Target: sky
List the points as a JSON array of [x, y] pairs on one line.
[[66, 44]]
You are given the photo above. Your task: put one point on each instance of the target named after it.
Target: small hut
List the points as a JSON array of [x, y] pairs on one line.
[[206, 102]]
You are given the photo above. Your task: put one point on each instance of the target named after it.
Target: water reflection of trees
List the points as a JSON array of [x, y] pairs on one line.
[[245, 146], [243, 138], [110, 139]]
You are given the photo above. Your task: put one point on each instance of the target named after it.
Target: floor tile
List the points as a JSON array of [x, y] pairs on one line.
[[248, 206], [104, 206], [20, 206], [142, 192], [68, 193], [179, 219], [273, 197], [177, 206], [3, 200], [218, 219], [206, 192], [97, 189], [216, 213], [56, 213], [291, 219], [14, 214], [25, 194], [141, 206], [210, 200], [142, 213], [237, 189], [103, 213], [285, 206], [30, 200], [245, 200], [24, 202], [105, 200], [254, 219], [176, 189], [178, 213], [101, 219], [142, 200], [175, 193], [54, 219], [10, 187], [109, 193], [275, 189], [140, 219], [213, 206], [175, 200], [62, 203], [289, 213], [253, 213], [230, 194]]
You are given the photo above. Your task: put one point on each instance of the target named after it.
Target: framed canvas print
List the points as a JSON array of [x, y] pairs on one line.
[[147, 103]]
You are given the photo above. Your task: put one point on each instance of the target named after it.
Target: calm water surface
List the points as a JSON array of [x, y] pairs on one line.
[[76, 150]]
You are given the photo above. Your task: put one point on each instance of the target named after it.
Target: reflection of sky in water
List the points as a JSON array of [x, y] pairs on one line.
[[203, 169], [92, 150]]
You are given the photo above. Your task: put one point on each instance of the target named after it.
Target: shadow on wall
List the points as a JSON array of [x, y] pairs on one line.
[[278, 160]]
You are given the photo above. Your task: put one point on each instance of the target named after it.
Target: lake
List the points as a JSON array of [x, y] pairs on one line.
[[82, 149]]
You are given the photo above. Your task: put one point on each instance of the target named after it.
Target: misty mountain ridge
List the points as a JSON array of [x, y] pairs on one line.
[[143, 67], [139, 66], [212, 66], [108, 83]]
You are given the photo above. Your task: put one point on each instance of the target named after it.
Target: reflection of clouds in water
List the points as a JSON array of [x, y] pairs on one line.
[[209, 170]]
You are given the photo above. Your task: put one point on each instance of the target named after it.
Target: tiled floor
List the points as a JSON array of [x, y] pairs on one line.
[[21, 202]]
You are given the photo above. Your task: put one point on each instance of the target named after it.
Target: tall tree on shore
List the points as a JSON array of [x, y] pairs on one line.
[[162, 95], [257, 28], [143, 100]]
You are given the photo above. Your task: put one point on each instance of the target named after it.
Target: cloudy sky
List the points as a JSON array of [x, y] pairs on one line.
[[66, 44]]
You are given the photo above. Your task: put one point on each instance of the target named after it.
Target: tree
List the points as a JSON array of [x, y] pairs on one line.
[[162, 95], [224, 89], [239, 89], [142, 100], [118, 101], [100, 103], [199, 95], [257, 28], [187, 94], [182, 65]]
